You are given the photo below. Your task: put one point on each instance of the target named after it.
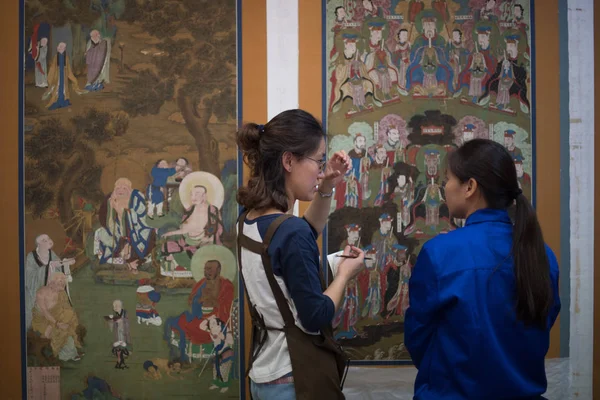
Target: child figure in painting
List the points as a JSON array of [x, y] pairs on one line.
[[155, 192], [145, 309], [485, 294], [223, 352]]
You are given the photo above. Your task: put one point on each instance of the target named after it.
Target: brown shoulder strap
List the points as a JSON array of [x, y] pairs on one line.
[[272, 228], [240, 234], [240, 243], [282, 303]]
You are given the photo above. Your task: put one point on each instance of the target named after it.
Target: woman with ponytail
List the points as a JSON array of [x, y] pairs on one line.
[[483, 298]]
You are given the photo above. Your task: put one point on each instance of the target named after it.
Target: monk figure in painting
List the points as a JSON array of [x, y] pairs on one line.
[[201, 225], [55, 319], [97, 58], [40, 266], [211, 296], [39, 52], [58, 80], [118, 323], [124, 237]]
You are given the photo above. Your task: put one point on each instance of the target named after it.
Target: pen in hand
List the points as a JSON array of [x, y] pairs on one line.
[[344, 256]]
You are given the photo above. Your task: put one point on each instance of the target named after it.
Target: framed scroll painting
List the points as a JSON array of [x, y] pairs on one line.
[[130, 171], [405, 84]]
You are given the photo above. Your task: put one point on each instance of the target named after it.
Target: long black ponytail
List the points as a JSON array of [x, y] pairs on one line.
[[493, 168]]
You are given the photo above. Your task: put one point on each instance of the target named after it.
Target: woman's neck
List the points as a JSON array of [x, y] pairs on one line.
[[253, 214], [480, 204]]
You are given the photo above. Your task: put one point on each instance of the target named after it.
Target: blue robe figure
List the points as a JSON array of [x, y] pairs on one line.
[[427, 63], [174, 324], [429, 72], [156, 197], [62, 101]]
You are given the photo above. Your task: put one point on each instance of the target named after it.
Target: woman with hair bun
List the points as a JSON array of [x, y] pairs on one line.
[[294, 355]]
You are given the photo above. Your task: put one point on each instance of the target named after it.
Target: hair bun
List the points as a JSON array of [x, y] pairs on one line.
[[248, 137], [248, 141]]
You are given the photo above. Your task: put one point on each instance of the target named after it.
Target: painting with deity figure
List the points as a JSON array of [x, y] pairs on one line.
[[130, 177], [405, 83]]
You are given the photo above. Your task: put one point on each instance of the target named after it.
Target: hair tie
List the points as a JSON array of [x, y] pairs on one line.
[[261, 128], [518, 192]]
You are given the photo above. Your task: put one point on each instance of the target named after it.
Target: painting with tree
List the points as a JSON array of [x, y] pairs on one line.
[[130, 177], [405, 83]]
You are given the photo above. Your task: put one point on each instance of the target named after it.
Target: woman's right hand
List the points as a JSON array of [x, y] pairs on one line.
[[349, 268]]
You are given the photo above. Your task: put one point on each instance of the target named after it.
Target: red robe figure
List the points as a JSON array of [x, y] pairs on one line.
[[212, 295]]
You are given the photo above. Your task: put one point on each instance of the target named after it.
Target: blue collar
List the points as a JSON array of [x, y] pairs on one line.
[[489, 215]]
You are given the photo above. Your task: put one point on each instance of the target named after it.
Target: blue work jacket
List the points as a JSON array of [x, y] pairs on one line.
[[461, 327]]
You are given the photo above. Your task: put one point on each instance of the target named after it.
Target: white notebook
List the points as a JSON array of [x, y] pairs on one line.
[[334, 261]]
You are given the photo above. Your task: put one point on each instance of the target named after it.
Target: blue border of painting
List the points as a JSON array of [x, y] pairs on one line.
[[22, 199], [324, 109], [241, 339], [240, 173]]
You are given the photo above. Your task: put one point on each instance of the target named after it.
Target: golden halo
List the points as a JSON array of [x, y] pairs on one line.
[[214, 252], [215, 192]]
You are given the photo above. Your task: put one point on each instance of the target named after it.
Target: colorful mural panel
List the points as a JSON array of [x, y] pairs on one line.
[[130, 163], [406, 82]]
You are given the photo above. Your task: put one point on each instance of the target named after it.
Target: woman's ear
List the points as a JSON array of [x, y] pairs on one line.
[[287, 159], [471, 188]]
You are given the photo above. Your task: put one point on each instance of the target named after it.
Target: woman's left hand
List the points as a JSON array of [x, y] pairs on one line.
[[336, 168]]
